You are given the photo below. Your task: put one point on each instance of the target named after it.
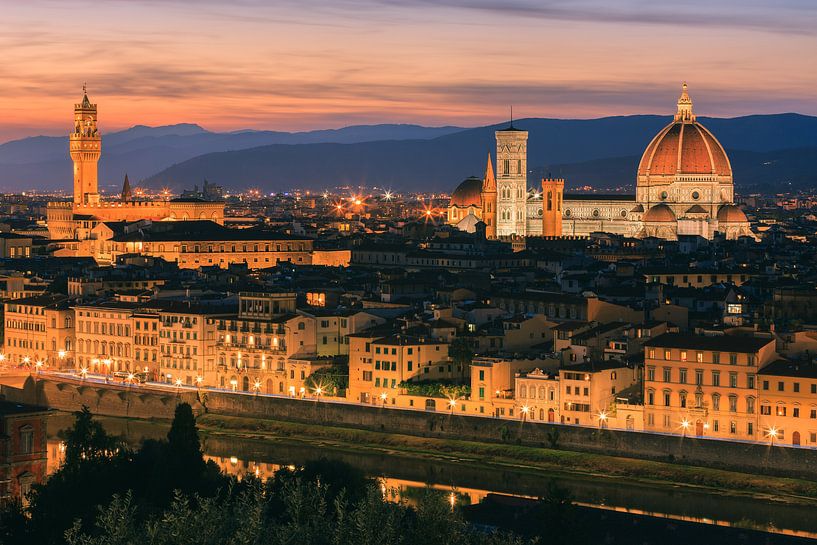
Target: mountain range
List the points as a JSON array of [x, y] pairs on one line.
[[771, 152]]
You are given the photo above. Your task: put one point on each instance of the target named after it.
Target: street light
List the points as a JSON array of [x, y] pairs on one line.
[[383, 397], [452, 403], [199, 380], [38, 365], [256, 386], [525, 411], [772, 435], [83, 373], [602, 419], [178, 383], [684, 426]]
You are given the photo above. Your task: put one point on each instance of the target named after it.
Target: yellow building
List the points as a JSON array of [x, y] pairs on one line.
[[379, 363], [787, 401], [105, 337], [39, 331], [75, 220], [704, 385]]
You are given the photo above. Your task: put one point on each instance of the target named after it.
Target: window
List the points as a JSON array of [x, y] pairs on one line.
[[750, 381], [683, 398], [795, 412], [651, 374], [682, 376], [667, 354], [766, 410], [750, 405], [699, 357], [733, 380], [699, 377], [716, 402], [733, 404], [781, 386], [733, 359], [26, 439], [481, 374], [667, 374], [716, 357], [716, 378], [683, 355], [781, 410], [765, 384], [796, 387], [666, 399]]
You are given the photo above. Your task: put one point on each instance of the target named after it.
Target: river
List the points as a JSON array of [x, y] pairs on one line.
[[466, 484]]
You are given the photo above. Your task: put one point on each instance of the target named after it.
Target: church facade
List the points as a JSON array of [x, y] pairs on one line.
[[684, 186], [73, 221]]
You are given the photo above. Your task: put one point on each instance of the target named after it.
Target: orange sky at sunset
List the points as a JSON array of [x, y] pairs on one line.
[[320, 63]]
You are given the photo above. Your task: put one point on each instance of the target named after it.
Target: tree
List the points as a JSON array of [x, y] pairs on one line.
[[88, 442]]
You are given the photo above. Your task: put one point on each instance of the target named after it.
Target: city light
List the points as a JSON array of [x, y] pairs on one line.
[[61, 354]]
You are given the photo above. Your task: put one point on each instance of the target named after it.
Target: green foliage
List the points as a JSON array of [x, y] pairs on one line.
[[333, 379], [553, 438], [461, 351], [87, 442], [299, 512], [437, 388]]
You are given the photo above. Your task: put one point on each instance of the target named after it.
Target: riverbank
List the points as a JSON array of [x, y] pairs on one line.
[[517, 458]]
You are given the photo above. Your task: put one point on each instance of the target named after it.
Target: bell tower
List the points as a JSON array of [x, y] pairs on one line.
[[85, 147], [552, 193], [511, 181]]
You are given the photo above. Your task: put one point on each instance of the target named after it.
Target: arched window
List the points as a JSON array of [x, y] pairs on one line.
[[523, 392]]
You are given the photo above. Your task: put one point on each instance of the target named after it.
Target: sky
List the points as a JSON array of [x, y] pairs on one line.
[[305, 64]]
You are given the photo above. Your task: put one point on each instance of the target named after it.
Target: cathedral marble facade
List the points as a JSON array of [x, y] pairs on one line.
[[684, 186]]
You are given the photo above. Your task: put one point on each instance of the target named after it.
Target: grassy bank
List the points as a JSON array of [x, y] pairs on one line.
[[514, 457]]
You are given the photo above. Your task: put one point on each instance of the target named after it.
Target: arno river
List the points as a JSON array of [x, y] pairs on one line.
[[402, 477]]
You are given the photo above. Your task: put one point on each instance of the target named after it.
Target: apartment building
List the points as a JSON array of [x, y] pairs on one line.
[[39, 331], [704, 385], [787, 401]]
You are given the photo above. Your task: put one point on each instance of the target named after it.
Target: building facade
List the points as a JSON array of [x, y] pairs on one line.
[[74, 220], [684, 186]]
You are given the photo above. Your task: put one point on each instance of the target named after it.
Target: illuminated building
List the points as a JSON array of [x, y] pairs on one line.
[[75, 220]]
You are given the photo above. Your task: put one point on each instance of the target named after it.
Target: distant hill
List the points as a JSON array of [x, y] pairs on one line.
[[771, 150], [43, 162], [601, 152]]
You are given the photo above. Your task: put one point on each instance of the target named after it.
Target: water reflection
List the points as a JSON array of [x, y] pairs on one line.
[[404, 479]]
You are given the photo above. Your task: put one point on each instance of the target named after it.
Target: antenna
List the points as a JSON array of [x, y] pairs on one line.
[[511, 115]]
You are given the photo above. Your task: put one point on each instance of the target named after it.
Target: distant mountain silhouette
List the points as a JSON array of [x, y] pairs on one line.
[[43, 162], [772, 150]]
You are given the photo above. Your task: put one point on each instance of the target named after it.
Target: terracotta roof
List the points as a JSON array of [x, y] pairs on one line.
[[660, 212], [731, 213], [468, 193], [684, 147]]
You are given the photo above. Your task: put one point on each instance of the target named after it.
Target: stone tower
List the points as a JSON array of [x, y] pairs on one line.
[[85, 145], [552, 193], [512, 181], [489, 200]]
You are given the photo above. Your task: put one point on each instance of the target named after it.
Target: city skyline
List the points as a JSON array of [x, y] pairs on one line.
[[302, 66]]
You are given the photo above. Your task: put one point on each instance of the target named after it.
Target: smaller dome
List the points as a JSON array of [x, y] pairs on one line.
[[729, 213], [468, 193], [696, 209], [659, 213]]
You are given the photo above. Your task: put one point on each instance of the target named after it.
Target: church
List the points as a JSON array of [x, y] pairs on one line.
[[684, 186], [74, 221]]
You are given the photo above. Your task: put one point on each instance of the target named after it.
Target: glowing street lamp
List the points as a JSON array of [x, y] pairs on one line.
[[256, 386], [383, 397], [602, 419], [525, 411], [178, 383], [772, 435], [26, 360], [2, 358], [684, 426], [38, 365], [83, 373], [199, 380]]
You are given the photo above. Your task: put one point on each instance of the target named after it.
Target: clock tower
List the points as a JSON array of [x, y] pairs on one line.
[[85, 146]]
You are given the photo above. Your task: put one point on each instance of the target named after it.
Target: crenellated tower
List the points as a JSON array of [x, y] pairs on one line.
[[489, 200], [552, 193], [85, 147]]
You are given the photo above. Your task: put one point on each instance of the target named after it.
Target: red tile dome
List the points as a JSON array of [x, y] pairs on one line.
[[468, 193], [684, 147], [659, 213]]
